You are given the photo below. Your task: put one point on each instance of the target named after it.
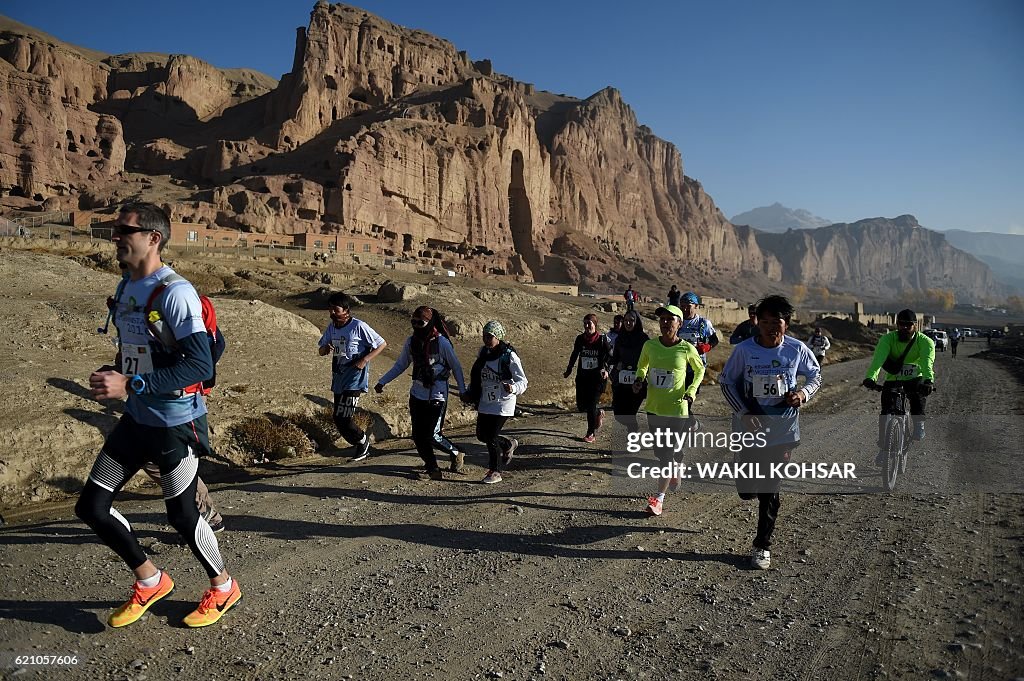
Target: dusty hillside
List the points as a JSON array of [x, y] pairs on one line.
[[272, 314]]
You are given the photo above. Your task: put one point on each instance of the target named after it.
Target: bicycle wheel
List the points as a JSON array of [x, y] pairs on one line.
[[893, 448], [906, 449]]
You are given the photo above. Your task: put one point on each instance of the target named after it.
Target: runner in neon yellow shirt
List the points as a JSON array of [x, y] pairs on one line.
[[662, 366]]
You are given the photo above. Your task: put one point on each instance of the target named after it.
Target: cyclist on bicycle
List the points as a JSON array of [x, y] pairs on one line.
[[908, 358]]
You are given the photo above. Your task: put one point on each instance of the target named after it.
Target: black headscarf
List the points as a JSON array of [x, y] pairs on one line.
[[629, 343]]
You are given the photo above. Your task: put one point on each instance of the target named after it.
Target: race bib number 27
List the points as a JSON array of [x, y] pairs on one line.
[[136, 359]]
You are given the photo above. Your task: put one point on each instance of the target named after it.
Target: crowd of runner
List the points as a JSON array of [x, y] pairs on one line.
[[161, 374]]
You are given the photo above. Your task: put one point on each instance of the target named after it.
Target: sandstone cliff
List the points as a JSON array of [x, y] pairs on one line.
[[391, 132], [882, 257], [49, 139]]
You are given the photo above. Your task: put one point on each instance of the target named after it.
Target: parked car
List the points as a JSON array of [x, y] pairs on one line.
[[941, 339]]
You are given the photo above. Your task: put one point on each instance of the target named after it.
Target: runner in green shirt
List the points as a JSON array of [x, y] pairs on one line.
[[662, 367]]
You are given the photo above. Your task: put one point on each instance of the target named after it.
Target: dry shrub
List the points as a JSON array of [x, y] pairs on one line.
[[266, 437], [318, 427], [205, 283], [233, 283], [101, 262], [364, 420]]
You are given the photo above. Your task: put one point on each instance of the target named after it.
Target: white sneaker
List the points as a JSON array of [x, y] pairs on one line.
[[491, 478], [761, 558]]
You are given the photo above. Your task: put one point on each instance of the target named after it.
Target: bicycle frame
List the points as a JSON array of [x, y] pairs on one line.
[[897, 435]]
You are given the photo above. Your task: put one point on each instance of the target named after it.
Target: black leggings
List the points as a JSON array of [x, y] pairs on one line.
[[129, 446], [917, 402], [488, 431], [767, 513], [425, 415], [626, 404], [344, 409], [588, 396], [765, 491]]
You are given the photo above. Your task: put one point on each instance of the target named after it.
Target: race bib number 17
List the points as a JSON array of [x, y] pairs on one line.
[[663, 379]]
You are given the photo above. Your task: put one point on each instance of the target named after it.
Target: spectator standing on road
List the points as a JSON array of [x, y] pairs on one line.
[[630, 297]]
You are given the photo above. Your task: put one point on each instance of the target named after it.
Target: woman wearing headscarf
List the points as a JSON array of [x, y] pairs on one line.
[[625, 357], [433, 360], [496, 379], [594, 354]]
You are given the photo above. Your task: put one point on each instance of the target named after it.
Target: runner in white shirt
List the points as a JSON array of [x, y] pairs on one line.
[[699, 331], [760, 384], [496, 379], [819, 344]]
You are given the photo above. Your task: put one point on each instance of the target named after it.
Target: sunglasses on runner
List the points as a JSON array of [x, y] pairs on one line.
[[121, 230]]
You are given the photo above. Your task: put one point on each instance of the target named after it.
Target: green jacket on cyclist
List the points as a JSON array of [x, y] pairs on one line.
[[919, 362]]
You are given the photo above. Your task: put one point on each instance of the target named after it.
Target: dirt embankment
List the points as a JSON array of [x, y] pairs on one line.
[[272, 314]]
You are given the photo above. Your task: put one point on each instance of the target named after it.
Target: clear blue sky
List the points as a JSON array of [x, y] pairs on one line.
[[849, 109]]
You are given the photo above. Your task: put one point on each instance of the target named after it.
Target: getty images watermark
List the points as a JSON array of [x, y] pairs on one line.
[[836, 454], [666, 439]]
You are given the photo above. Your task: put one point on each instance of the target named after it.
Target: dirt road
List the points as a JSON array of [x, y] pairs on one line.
[[357, 571]]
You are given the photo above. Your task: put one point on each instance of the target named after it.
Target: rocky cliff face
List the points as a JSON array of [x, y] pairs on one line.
[[880, 256], [49, 139], [391, 132], [348, 62], [68, 112]]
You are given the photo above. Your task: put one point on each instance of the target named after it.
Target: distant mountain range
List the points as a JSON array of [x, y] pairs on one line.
[[779, 218], [1003, 253], [880, 256]]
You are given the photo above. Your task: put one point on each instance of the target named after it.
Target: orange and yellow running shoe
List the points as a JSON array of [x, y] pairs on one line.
[[140, 601], [213, 604]]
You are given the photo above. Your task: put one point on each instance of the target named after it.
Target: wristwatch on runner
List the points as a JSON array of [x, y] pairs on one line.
[[138, 384]]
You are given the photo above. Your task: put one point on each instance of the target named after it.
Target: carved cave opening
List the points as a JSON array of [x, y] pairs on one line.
[[520, 214]]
